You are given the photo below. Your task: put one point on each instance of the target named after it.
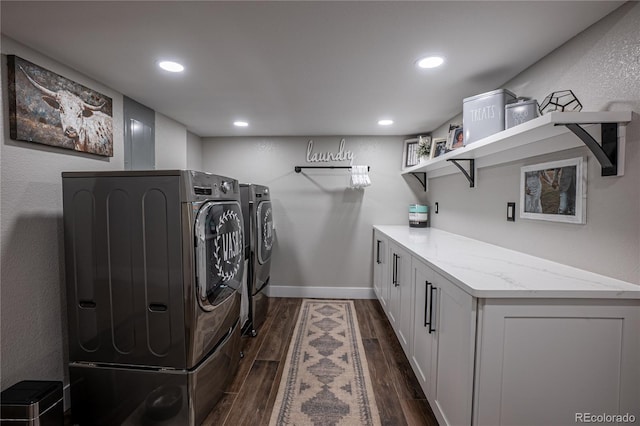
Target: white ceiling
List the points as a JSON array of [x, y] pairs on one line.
[[300, 67]]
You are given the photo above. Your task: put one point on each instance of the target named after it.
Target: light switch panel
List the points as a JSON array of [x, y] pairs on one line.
[[511, 212]]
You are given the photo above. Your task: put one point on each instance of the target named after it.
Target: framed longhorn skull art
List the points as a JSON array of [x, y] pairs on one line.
[[49, 109]]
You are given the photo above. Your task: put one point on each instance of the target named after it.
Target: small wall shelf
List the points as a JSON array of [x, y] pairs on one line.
[[541, 136]]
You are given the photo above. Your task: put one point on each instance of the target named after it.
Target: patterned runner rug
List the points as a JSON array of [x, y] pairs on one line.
[[326, 378]]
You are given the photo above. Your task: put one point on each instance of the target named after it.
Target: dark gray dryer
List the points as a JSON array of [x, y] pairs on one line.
[[258, 219], [154, 260]]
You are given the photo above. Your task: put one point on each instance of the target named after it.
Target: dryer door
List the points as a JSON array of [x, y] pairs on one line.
[[264, 229], [219, 252]]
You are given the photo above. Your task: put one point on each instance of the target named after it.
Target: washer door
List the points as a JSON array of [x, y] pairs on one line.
[[219, 252], [264, 229]]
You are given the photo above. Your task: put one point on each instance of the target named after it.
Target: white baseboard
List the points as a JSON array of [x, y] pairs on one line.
[[321, 292]]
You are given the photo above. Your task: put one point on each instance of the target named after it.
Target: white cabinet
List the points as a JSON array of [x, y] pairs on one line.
[[504, 351], [400, 290], [425, 345], [381, 268], [569, 356], [455, 328], [443, 344]]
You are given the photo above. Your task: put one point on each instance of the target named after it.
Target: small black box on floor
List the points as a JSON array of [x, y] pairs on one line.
[[32, 403]]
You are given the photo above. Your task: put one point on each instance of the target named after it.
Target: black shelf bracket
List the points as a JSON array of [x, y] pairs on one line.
[[422, 181], [607, 152], [471, 174], [298, 169]]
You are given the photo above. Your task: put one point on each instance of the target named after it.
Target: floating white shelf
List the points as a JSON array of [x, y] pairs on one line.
[[535, 137]]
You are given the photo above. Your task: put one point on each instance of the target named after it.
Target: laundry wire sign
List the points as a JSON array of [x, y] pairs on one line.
[[325, 157]]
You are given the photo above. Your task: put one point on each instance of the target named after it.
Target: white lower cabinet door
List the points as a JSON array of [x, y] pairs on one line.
[[395, 266], [381, 268], [405, 316], [400, 295], [557, 362], [455, 328], [424, 343]]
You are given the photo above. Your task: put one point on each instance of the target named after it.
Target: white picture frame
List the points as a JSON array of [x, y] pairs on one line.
[[554, 191], [438, 147], [410, 156], [455, 139]]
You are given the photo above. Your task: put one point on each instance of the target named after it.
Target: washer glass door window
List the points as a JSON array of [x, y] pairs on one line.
[[219, 252]]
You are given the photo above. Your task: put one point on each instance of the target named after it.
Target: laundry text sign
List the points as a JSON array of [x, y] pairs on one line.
[[325, 157]]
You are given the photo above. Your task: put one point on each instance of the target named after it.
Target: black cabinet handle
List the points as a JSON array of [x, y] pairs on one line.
[[426, 299], [432, 328], [393, 273], [378, 251], [395, 270], [87, 304]]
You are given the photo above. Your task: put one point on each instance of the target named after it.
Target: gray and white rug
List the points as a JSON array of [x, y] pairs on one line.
[[326, 378]]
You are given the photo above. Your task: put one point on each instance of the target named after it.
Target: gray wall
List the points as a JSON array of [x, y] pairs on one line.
[[194, 152], [324, 232], [32, 295], [171, 143], [602, 67], [323, 228], [33, 317]]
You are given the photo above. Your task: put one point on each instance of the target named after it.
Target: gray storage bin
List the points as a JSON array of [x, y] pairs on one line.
[[483, 114], [32, 403], [520, 112]]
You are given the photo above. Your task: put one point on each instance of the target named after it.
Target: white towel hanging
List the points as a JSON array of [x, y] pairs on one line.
[[359, 177]]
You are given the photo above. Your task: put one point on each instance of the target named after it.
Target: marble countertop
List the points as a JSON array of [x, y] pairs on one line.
[[490, 271]]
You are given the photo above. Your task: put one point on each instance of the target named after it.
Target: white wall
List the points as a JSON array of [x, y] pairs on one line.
[[171, 143], [602, 67], [33, 317], [323, 229], [194, 152]]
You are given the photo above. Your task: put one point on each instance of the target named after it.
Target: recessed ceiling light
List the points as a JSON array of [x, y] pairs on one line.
[[171, 66], [240, 124], [430, 62], [385, 122]]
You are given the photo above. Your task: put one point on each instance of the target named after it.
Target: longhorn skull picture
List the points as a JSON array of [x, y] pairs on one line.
[[49, 109]]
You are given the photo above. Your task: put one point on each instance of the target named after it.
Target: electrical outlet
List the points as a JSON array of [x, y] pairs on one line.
[[511, 212]]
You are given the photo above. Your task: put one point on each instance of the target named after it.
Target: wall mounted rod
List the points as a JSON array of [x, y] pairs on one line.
[[298, 169]]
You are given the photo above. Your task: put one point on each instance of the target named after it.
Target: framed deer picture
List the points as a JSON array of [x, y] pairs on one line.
[[49, 109]]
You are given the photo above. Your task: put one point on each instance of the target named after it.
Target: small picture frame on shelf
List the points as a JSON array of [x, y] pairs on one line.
[[554, 191], [410, 155], [456, 138], [438, 147]]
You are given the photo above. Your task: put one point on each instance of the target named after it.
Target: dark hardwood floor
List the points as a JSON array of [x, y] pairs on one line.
[[251, 396]]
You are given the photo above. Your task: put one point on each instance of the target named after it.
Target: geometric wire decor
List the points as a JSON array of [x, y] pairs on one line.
[[563, 100]]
